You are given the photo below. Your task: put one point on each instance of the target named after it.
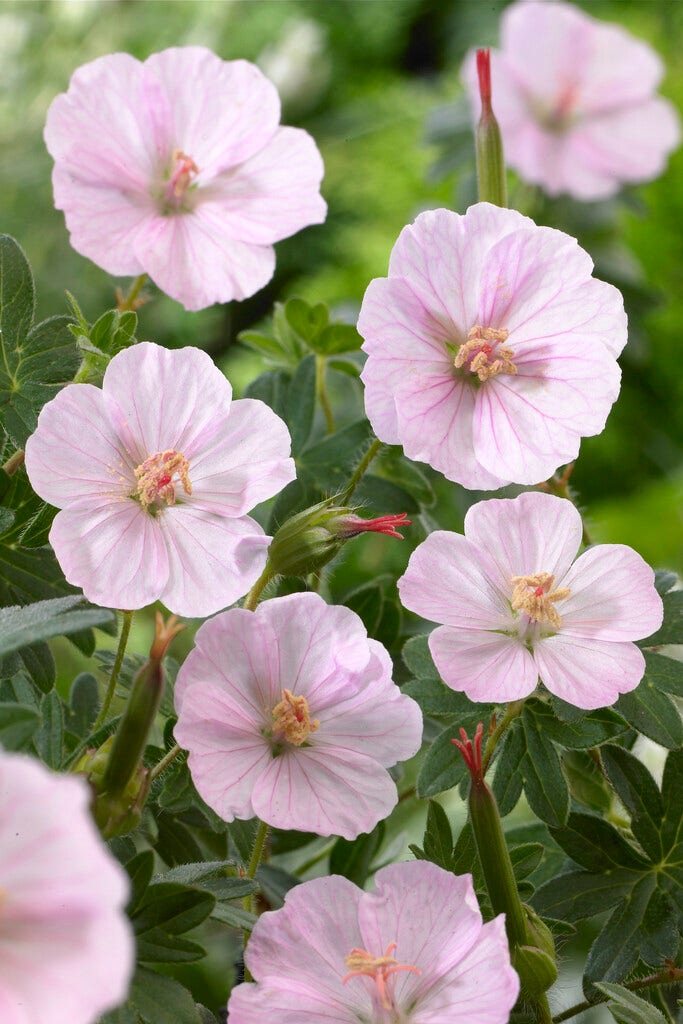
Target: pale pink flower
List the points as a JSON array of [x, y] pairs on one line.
[[154, 474], [491, 349], [178, 167], [575, 100], [66, 945], [415, 950], [290, 713], [515, 609]]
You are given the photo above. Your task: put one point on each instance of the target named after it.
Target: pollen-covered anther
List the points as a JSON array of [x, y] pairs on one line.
[[534, 595], [379, 968], [183, 172], [484, 354], [155, 478], [292, 719]]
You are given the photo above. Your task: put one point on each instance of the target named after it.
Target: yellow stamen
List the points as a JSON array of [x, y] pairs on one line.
[[534, 595], [483, 353], [292, 719], [379, 968], [155, 478]]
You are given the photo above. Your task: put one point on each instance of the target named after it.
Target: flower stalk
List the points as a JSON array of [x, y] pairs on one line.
[[491, 180]]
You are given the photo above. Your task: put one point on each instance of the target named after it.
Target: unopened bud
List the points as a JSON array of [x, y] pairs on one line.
[[310, 539], [491, 180], [536, 969]]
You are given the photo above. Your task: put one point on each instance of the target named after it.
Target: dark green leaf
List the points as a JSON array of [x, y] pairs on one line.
[[285, 841], [328, 462], [651, 712], [275, 883], [353, 858], [22, 626], [393, 465], [437, 700], [591, 730], [587, 784], [544, 782], [300, 404], [418, 659], [347, 366], [50, 737], [443, 767], [140, 870], [158, 999], [176, 843], [525, 859], [84, 700], [173, 907], [596, 845], [438, 838], [664, 673], [39, 665], [157, 947], [671, 630], [233, 914], [18, 723], [367, 601], [638, 791], [335, 339], [508, 780], [189, 874], [307, 321], [576, 895], [271, 388], [243, 834], [380, 496]]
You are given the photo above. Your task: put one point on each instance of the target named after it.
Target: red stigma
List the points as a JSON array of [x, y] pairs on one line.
[[471, 751], [539, 592], [164, 480], [484, 73], [352, 526]]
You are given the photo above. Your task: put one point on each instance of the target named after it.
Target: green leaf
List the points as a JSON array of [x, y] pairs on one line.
[[158, 999], [576, 895], [525, 859], [271, 388], [189, 874], [544, 782], [347, 366], [395, 467], [638, 791], [44, 619], [652, 712], [367, 601], [84, 701], [438, 701], [329, 461], [243, 834], [18, 723], [39, 665], [157, 947], [335, 339], [378, 495], [443, 767], [275, 883], [508, 780], [307, 321], [671, 630], [437, 842], [628, 1008], [50, 738], [174, 908], [591, 730], [234, 915], [664, 673], [587, 783], [353, 858], [300, 404], [140, 869], [596, 845], [418, 659], [36, 361]]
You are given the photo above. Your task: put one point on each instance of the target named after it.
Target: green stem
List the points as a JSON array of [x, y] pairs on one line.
[[254, 595], [513, 710], [321, 391], [167, 759], [14, 462], [360, 471], [123, 640], [668, 977], [254, 861], [541, 1009], [128, 302]]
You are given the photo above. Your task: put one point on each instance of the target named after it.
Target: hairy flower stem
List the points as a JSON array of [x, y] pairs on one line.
[[14, 462], [167, 759], [513, 710], [131, 301], [667, 977], [321, 392], [256, 854], [254, 595], [113, 679], [360, 471]]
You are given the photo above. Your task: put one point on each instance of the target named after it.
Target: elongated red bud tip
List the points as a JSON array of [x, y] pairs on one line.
[[471, 751], [484, 72], [352, 525]]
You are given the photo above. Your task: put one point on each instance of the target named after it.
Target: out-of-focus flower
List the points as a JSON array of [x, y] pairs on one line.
[[177, 167], [66, 946], [290, 713], [491, 349], [415, 950], [298, 63], [578, 112], [154, 475], [515, 608]]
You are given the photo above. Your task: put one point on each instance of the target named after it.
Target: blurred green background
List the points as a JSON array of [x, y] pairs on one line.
[[377, 84]]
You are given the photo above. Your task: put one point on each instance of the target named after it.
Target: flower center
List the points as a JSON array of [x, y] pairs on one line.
[[155, 479], [379, 968], [182, 173], [534, 595], [292, 719], [484, 354]]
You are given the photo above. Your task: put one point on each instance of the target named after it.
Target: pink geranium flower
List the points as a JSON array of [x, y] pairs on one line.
[[290, 713], [491, 349], [415, 950], [514, 608], [177, 167], [154, 474], [66, 946], [576, 103]]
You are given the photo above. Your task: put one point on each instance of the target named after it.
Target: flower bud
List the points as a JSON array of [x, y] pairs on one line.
[[537, 971], [310, 539], [491, 180]]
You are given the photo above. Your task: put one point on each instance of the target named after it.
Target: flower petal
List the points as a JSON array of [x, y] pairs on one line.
[[485, 666], [525, 535], [244, 464], [588, 673], [288, 1001], [75, 455], [212, 560], [447, 581], [274, 194], [324, 790], [612, 596], [164, 399], [192, 258], [115, 553]]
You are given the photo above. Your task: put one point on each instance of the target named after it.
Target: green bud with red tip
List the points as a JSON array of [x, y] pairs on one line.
[[491, 181]]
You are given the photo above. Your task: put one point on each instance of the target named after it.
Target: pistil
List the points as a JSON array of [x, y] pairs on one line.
[[155, 478], [534, 595], [484, 354], [292, 719], [379, 968]]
